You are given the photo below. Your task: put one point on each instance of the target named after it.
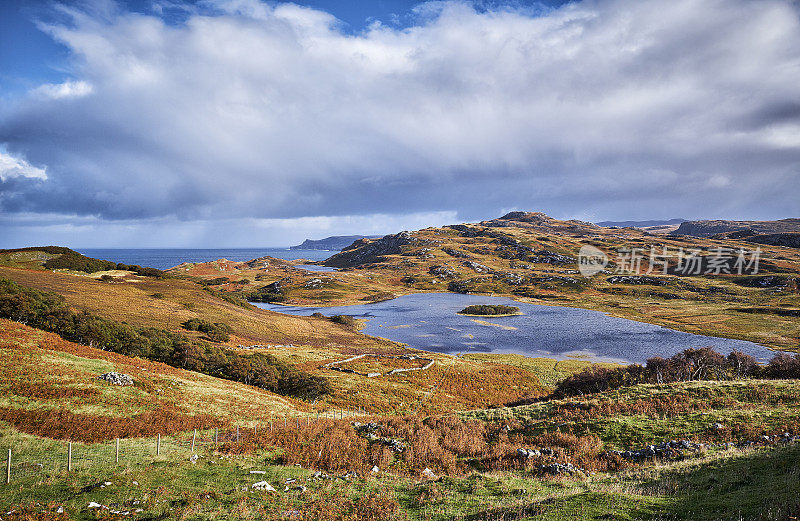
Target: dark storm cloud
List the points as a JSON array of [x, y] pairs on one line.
[[250, 110]]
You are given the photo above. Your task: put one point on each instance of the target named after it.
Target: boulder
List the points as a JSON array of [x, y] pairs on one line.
[[115, 378], [263, 485]]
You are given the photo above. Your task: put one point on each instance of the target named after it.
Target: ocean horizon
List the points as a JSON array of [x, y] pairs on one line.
[[163, 258]]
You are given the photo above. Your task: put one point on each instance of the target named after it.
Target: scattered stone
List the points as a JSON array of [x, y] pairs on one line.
[[115, 378], [92, 504], [263, 485], [193, 458], [718, 426], [428, 473], [375, 469], [258, 472], [560, 468]]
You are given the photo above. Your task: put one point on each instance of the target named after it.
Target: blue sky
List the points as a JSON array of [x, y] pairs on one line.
[[244, 123]]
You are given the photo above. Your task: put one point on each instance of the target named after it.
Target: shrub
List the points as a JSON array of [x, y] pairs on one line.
[[345, 320], [216, 331], [690, 364], [783, 365], [489, 309], [72, 260]]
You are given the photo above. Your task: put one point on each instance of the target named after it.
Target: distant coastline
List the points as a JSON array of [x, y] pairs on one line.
[[332, 243], [164, 258]]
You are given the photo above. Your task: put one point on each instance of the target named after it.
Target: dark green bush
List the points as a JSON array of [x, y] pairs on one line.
[[489, 309], [345, 320], [215, 331]]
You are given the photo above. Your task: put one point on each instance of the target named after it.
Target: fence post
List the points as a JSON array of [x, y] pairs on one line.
[[284, 422], [194, 437], [216, 435], [270, 425], [237, 434], [8, 468], [69, 456], [255, 431], [158, 446], [117, 459]]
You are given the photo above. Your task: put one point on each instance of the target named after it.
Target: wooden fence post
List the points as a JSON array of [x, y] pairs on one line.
[[216, 435], [158, 446], [69, 456], [237, 433], [117, 458], [194, 437], [8, 468]]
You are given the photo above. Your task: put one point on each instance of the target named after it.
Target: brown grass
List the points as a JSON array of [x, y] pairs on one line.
[[65, 425]]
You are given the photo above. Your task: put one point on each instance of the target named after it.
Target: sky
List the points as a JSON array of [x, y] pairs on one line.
[[225, 123]]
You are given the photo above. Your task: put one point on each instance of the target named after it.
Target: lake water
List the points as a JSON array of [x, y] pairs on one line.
[[163, 258], [430, 322]]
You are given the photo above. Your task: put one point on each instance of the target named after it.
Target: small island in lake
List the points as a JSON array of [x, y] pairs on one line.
[[490, 310]]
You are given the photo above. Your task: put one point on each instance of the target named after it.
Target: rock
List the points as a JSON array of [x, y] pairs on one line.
[[560, 468], [717, 426], [263, 485], [258, 472], [444, 271], [193, 458], [115, 378], [60, 510], [375, 469], [637, 279], [92, 504], [428, 473]]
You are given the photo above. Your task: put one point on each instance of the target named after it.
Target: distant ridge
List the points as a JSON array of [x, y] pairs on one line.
[[640, 224], [335, 242]]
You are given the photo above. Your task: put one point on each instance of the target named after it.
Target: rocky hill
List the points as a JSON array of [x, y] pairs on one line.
[[710, 228]]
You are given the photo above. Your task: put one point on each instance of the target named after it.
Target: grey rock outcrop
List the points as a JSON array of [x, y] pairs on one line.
[[115, 378]]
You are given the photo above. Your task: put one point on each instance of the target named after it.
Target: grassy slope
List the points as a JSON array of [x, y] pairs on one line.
[[717, 485], [52, 364]]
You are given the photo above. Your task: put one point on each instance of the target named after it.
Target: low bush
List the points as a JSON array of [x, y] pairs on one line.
[[489, 309], [690, 364], [215, 331], [345, 320]]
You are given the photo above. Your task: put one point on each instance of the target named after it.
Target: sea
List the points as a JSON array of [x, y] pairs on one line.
[[163, 258]]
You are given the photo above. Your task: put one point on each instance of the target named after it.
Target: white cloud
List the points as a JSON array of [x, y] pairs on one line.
[[254, 110], [69, 89], [11, 166]]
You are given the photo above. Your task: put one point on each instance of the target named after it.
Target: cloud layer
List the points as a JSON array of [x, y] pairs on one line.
[[606, 108]]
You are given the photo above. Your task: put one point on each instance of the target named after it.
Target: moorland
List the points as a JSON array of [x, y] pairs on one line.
[[478, 436]]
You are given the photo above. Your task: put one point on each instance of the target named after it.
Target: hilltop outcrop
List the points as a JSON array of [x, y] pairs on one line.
[[745, 229]]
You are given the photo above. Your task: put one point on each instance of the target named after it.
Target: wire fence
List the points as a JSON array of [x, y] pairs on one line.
[[31, 458]]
